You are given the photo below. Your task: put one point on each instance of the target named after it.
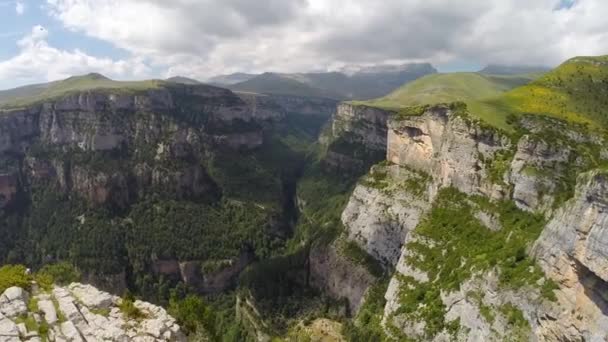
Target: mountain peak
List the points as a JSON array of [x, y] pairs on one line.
[[183, 80]]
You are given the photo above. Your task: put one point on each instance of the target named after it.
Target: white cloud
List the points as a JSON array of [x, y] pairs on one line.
[[19, 7], [200, 38], [38, 61], [205, 37]]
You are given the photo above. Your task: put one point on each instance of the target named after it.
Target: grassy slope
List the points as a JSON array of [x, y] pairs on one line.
[[468, 87], [575, 91], [76, 83]]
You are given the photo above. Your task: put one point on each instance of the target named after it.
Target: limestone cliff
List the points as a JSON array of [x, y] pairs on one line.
[[357, 138], [573, 250], [81, 313], [504, 180], [148, 129]]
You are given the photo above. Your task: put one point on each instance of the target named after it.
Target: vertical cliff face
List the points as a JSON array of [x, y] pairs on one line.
[[357, 138], [148, 128], [455, 150], [451, 187], [573, 250], [384, 207], [84, 161]]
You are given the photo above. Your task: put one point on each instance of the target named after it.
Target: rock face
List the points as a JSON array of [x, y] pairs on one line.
[[81, 313], [380, 214], [149, 129], [357, 139], [450, 147], [208, 277], [533, 187], [443, 147], [305, 105], [338, 276], [573, 250]]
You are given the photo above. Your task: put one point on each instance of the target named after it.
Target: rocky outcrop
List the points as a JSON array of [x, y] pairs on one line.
[[305, 105], [573, 250], [338, 276], [104, 120], [157, 138], [454, 149], [383, 209], [81, 313], [212, 276], [357, 138], [535, 170], [443, 147]]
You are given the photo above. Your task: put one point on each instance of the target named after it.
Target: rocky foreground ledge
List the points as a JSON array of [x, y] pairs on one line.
[[81, 313]]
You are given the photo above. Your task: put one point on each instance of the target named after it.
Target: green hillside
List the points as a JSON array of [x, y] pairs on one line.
[[469, 87], [461, 86], [76, 83], [575, 91]]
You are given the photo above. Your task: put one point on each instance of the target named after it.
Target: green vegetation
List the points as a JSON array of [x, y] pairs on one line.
[[128, 308], [575, 91], [367, 325], [32, 95], [359, 256], [62, 273], [471, 88], [193, 315], [451, 87], [453, 246], [102, 311], [13, 275]]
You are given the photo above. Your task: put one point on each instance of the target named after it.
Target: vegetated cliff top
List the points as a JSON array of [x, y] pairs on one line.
[[575, 91], [23, 96], [468, 87], [450, 87]]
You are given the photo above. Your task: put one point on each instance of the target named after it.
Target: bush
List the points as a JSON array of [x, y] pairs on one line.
[[13, 275], [62, 273]]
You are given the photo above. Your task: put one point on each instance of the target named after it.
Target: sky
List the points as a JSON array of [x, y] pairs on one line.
[[44, 40]]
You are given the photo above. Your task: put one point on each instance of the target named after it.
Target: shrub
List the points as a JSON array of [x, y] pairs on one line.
[[13, 275]]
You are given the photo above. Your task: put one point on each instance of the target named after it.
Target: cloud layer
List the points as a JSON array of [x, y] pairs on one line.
[[200, 38], [37, 61]]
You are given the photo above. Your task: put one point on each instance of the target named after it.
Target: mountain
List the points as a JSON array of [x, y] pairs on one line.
[[574, 91], [27, 95], [465, 207], [271, 83], [497, 69], [183, 80], [450, 87], [224, 80], [362, 83], [469, 87], [486, 219]]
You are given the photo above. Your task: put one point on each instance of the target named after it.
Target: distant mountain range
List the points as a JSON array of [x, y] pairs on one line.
[[352, 83]]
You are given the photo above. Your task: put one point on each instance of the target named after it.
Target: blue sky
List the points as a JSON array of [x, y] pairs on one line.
[[43, 40]]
